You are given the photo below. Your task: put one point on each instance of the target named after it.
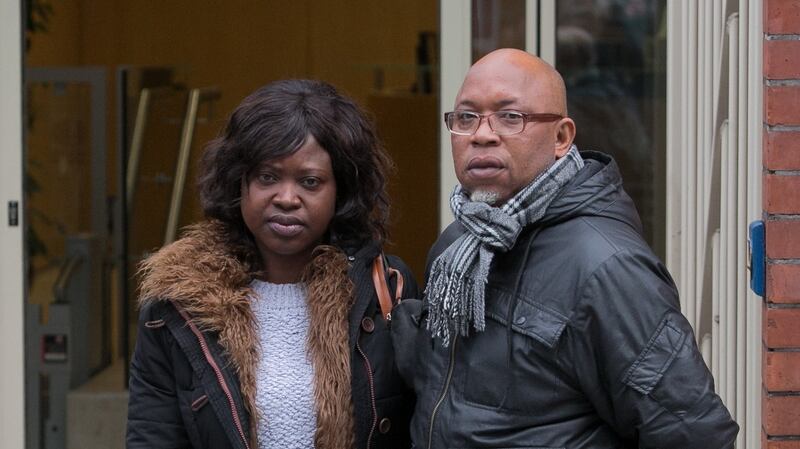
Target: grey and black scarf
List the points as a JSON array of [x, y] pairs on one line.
[[457, 281]]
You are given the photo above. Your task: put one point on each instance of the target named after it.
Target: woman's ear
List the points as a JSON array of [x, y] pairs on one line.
[[565, 134]]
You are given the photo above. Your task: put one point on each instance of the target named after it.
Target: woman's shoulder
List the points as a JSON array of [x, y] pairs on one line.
[[187, 266]]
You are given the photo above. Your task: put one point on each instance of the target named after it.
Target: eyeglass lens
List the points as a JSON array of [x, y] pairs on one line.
[[501, 122]]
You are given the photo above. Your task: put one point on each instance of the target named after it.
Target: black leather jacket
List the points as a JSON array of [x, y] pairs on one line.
[[584, 347]]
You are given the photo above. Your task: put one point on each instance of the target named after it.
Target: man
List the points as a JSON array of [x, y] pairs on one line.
[[547, 321]]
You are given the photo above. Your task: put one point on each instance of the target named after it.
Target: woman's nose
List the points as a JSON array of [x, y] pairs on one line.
[[286, 196]]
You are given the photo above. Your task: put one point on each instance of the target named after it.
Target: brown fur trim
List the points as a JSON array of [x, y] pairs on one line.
[[201, 274], [330, 295]]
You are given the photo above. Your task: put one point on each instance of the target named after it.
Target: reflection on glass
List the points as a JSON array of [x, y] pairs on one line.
[[497, 24], [68, 308], [613, 62], [58, 152]]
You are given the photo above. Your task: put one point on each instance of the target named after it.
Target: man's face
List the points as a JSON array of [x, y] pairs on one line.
[[500, 166]]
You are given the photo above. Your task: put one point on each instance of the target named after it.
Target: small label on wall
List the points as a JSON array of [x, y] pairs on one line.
[[13, 213]]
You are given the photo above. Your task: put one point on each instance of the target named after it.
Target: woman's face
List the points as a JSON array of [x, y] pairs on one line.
[[287, 204]]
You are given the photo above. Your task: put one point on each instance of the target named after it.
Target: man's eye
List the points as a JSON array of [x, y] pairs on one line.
[[509, 116], [465, 117]]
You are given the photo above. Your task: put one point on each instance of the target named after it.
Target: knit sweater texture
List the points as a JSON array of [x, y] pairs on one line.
[[285, 376]]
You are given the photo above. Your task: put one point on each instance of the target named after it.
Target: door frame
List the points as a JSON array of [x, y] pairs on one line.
[[12, 273]]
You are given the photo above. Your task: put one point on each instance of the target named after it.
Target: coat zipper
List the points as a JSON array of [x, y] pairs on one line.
[[444, 391], [371, 394], [218, 372]]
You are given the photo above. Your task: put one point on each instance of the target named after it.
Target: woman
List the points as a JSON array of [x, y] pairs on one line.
[[260, 327]]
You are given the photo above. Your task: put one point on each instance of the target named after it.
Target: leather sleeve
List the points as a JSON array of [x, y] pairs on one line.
[[634, 355], [154, 417]]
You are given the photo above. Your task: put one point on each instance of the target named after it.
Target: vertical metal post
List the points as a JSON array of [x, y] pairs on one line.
[[752, 421], [132, 169]]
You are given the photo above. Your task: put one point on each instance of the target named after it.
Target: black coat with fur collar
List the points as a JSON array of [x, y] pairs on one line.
[[192, 373]]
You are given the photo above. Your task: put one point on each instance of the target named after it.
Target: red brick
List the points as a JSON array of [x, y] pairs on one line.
[[782, 150], [781, 60], [783, 239], [780, 103], [781, 444], [783, 283], [781, 371], [781, 194], [780, 415], [781, 327], [781, 17]]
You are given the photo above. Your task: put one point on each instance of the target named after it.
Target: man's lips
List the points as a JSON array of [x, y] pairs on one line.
[[285, 225], [484, 166]]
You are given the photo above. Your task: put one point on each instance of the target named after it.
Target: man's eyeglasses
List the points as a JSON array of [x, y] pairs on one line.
[[465, 123]]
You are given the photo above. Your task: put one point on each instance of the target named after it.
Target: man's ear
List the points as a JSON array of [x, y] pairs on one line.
[[564, 137]]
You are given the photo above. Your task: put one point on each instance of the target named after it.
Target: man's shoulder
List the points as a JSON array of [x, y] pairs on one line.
[[589, 240]]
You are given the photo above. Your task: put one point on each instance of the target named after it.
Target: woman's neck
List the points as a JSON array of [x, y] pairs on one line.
[[284, 270]]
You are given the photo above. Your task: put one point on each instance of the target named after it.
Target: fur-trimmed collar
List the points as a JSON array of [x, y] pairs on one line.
[[201, 275]]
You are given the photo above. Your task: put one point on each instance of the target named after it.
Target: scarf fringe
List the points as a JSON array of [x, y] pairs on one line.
[[449, 314]]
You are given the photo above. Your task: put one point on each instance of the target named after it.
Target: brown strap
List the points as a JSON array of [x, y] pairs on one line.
[[382, 289], [398, 291]]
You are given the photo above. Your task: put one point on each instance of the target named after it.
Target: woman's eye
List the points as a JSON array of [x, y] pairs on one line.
[[265, 178], [310, 182]]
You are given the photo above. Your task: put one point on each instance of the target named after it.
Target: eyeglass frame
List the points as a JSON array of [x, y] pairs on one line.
[[526, 117]]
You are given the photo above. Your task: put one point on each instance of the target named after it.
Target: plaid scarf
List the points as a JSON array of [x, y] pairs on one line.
[[456, 285]]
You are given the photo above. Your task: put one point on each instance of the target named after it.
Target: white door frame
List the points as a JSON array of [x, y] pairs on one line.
[[455, 26], [12, 341], [455, 29]]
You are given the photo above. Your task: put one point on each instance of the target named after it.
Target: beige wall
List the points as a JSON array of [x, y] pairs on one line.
[[238, 46]]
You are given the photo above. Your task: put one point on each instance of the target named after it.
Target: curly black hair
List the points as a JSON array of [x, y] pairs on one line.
[[275, 121]]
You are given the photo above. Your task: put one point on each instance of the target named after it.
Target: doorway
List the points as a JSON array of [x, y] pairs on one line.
[[112, 141]]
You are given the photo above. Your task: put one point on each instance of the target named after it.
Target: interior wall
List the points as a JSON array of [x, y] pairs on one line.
[[360, 46], [240, 45]]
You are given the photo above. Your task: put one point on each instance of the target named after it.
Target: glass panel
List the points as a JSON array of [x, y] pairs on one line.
[[151, 190], [612, 54], [497, 24], [58, 149], [68, 308], [150, 199]]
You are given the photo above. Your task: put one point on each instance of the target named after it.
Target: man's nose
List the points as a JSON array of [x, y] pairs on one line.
[[287, 196], [484, 134]]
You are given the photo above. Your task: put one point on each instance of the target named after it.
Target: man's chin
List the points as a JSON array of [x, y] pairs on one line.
[[489, 197]]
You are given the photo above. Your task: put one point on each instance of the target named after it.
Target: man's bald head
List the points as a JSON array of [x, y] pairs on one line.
[[546, 83]]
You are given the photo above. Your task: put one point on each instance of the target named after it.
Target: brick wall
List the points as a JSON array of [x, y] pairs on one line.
[[781, 327]]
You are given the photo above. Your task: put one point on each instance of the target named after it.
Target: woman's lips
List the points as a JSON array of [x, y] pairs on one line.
[[285, 225]]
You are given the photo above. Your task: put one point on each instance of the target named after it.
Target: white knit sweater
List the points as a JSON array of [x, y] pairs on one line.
[[284, 377]]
